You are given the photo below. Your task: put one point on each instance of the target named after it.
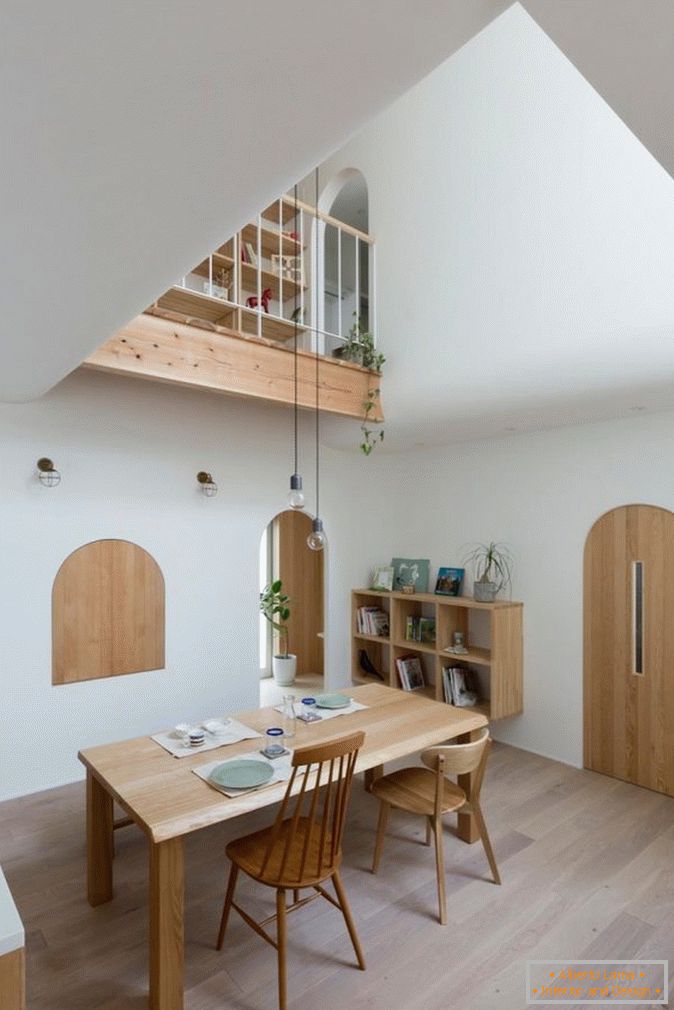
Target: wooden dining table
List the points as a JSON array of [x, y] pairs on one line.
[[167, 801]]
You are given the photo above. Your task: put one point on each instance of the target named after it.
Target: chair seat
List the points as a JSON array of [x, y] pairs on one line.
[[413, 789], [248, 854]]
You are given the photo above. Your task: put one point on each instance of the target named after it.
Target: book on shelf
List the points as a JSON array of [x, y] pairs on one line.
[[372, 621], [251, 254], [410, 672], [457, 687], [420, 629]]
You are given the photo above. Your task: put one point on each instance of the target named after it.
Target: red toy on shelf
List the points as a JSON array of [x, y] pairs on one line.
[[265, 298]]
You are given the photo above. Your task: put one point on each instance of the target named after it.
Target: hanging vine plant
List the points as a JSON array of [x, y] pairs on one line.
[[359, 348]]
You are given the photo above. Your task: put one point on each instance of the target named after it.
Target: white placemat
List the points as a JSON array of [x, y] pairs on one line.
[[233, 732], [281, 765], [325, 713]]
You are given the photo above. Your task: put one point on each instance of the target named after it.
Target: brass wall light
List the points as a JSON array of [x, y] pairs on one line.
[[47, 473], [208, 485]]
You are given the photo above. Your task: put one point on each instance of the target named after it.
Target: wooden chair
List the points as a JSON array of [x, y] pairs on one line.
[[430, 794], [301, 850]]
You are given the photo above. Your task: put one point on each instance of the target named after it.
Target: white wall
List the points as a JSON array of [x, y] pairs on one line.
[[540, 493], [129, 452]]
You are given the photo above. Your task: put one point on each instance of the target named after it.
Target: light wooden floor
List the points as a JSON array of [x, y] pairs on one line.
[[587, 865]]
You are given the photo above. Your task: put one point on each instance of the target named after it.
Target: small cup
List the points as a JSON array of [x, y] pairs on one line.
[[274, 746]]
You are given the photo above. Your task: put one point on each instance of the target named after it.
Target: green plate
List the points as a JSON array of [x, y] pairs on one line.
[[242, 774], [332, 701]]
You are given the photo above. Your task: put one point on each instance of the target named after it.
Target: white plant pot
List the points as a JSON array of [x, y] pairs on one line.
[[484, 592], [284, 669]]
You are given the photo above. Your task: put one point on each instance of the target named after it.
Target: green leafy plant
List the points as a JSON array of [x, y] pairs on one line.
[[370, 435], [492, 562], [274, 605], [359, 347]]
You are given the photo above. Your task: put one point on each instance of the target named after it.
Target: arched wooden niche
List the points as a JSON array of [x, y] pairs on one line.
[[107, 613]]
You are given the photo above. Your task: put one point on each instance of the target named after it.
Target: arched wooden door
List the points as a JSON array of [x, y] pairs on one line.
[[629, 646]]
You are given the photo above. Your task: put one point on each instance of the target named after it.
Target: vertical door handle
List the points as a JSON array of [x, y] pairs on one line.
[[638, 618]]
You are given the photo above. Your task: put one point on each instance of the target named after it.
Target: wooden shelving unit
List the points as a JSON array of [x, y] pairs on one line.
[[493, 636]]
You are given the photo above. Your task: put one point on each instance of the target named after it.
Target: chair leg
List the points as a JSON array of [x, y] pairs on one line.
[[440, 868], [296, 895], [229, 897], [484, 835], [381, 830], [429, 829], [348, 918], [282, 935]]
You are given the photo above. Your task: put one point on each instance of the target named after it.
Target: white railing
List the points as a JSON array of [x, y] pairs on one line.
[[262, 281]]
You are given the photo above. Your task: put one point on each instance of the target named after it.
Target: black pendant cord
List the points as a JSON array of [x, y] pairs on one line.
[[317, 373], [296, 470]]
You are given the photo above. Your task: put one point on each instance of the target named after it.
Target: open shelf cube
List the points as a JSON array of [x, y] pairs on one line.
[[492, 635]]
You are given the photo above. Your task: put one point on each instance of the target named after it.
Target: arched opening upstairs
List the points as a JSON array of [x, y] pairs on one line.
[[347, 268]]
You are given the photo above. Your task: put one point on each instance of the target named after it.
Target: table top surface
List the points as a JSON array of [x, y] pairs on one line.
[[167, 800]]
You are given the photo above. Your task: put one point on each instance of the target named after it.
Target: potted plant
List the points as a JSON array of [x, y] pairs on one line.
[[274, 605], [492, 564]]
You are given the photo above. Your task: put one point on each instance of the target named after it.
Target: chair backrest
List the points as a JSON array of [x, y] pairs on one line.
[[461, 759], [309, 826]]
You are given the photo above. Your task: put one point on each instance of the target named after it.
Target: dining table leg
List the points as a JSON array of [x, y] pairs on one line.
[[371, 775], [467, 828], [99, 842], [167, 899]]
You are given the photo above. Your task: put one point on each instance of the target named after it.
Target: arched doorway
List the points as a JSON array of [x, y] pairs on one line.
[[629, 646], [284, 555]]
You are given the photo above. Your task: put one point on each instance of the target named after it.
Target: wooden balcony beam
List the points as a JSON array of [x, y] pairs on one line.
[[164, 348]]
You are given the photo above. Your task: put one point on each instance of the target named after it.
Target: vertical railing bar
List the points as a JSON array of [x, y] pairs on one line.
[[280, 257], [259, 277], [372, 307], [210, 275], [339, 282], [302, 265], [236, 295], [357, 282]]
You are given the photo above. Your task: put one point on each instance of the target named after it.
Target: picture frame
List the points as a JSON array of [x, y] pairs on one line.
[[449, 581], [382, 578], [290, 268], [411, 572]]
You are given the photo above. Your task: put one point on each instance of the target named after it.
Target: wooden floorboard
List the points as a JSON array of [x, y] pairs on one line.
[[587, 867]]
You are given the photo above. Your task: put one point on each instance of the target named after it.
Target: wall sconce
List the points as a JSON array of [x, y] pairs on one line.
[[208, 485], [47, 474]]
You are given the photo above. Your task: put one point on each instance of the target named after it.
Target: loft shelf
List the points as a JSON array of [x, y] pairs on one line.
[[499, 667]]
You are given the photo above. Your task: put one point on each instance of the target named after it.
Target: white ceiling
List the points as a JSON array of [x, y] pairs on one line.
[[525, 280], [137, 135]]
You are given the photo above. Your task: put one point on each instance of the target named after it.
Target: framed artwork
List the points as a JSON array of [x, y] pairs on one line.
[[288, 267], [411, 572], [449, 581], [383, 578]]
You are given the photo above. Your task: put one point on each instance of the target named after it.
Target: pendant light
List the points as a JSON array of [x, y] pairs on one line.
[[295, 494], [316, 540]]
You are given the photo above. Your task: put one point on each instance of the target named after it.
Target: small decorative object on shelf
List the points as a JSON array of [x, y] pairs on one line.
[[383, 578], [367, 666], [458, 646], [265, 298], [287, 267], [493, 570], [449, 581], [411, 572]]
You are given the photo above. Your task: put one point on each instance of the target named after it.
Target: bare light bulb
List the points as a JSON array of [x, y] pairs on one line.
[[296, 495], [317, 539], [208, 486]]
